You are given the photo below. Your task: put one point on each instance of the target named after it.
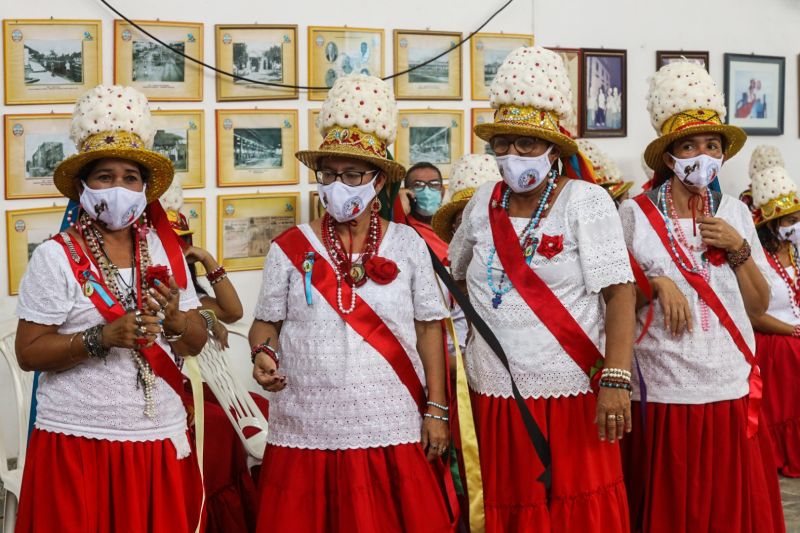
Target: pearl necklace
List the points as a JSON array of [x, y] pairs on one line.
[[793, 286]]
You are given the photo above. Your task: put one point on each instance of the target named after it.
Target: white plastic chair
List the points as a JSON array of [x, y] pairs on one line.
[[22, 384], [234, 398]]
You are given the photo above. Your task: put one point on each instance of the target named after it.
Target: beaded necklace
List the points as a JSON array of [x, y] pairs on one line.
[[526, 237], [793, 286]]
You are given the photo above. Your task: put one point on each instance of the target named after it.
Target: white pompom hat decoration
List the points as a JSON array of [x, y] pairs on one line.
[[765, 156], [774, 193], [606, 171]]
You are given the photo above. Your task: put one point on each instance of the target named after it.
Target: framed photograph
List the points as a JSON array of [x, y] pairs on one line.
[[247, 223], [480, 115], [256, 147], [51, 61], [258, 52], [572, 60], [431, 135], [179, 136], [487, 53], [194, 209], [315, 209], [157, 71], [438, 80], [34, 146], [754, 92], [25, 230], [314, 138], [665, 57], [604, 106], [334, 52]]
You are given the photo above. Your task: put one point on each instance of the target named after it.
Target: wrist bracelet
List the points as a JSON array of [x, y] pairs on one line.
[[264, 347], [217, 275], [177, 337], [93, 342], [738, 258], [616, 373], [437, 417], [616, 385], [439, 406], [796, 331], [210, 318]]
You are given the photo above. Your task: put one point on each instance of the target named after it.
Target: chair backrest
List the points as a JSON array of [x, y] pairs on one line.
[[247, 419], [22, 385]]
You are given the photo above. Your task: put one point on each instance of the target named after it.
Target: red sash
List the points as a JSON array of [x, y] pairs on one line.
[[162, 364], [711, 299], [540, 299]]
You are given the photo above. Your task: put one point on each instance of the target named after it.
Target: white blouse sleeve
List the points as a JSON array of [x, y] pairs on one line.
[[460, 249], [45, 292], [274, 294], [427, 297]]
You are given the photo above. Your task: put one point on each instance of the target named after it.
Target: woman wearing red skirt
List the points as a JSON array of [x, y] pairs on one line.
[[347, 335], [700, 445], [778, 330], [544, 261]]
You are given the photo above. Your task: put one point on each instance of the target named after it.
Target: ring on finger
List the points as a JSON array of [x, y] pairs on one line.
[[611, 416], [620, 418]]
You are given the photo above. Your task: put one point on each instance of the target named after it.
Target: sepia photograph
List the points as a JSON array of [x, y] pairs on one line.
[[437, 71], [34, 145], [604, 93], [179, 137], [439, 79], [49, 62], [429, 144], [487, 53], [153, 62], [255, 148], [336, 52], [26, 229], [433, 136], [44, 151], [174, 145], [481, 116], [258, 61]]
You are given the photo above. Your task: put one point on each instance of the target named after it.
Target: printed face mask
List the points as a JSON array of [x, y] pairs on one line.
[[790, 233], [343, 202], [698, 171], [524, 174], [427, 201], [116, 207]]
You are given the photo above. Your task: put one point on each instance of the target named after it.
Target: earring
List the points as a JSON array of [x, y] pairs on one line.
[[376, 205]]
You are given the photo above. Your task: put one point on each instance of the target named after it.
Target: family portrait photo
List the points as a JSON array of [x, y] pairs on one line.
[[604, 93]]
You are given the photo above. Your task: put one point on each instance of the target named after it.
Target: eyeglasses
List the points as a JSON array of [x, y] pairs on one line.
[[436, 185], [353, 178], [524, 145]]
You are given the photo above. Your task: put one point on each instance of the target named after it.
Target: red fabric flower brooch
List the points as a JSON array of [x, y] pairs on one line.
[[716, 256], [551, 245], [381, 270]]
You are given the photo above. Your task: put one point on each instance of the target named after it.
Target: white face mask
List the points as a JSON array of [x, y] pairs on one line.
[[698, 171], [790, 233], [344, 203], [116, 207], [524, 174]]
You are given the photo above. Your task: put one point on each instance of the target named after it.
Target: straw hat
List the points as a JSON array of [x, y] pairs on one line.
[[469, 173], [358, 120], [683, 101], [113, 122], [531, 94], [773, 191], [606, 171]]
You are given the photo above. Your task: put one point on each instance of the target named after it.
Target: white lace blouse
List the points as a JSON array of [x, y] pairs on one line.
[[702, 366], [593, 257], [780, 305], [341, 393], [97, 399]]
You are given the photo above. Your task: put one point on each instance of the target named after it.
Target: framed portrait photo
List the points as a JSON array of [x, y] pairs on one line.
[[335, 52], [604, 106], [430, 135], [25, 230], [480, 115], [157, 71], [438, 80], [487, 53], [180, 137], [754, 93], [572, 61], [34, 146], [247, 223], [51, 61], [260, 53], [256, 147], [314, 137], [665, 57]]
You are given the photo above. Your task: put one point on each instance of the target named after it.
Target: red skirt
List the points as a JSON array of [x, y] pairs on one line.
[[76, 484], [779, 359], [587, 491], [694, 469], [374, 490]]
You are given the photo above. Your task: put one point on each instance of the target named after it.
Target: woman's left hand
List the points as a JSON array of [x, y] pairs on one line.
[[716, 232], [166, 300], [221, 333], [613, 417], [435, 437]]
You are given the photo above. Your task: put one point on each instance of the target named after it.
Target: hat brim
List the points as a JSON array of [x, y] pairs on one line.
[[394, 171], [783, 212], [566, 145], [734, 136], [442, 221], [161, 170]]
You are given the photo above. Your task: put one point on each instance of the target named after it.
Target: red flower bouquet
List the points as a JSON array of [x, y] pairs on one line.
[[157, 272], [381, 270], [551, 245]]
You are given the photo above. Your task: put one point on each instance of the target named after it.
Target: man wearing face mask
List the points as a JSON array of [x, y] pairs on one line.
[[706, 267], [347, 334], [420, 197]]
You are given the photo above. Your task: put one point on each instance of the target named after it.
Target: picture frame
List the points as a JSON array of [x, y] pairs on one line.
[[338, 51], [665, 57], [439, 80], [194, 209], [315, 209], [573, 59], [754, 93], [34, 145], [259, 52], [52, 61], [314, 137], [247, 223], [25, 230], [604, 109], [480, 115], [487, 53], [159, 73], [180, 136], [256, 147], [432, 135]]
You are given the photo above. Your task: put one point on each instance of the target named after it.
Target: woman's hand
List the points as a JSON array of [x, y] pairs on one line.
[[435, 436], [194, 254], [717, 232], [613, 417], [265, 372], [133, 330], [674, 305], [220, 332], [165, 301]]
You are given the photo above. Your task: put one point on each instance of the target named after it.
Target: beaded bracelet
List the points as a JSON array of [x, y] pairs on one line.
[[217, 275], [796, 331], [616, 373], [264, 347], [616, 385], [437, 417], [738, 258], [439, 406], [93, 342], [177, 337]]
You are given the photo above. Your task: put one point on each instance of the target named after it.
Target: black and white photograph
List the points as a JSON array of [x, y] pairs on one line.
[[337, 52], [37, 236], [259, 61], [492, 59], [173, 144], [153, 62], [44, 151], [257, 148], [430, 144], [331, 52], [250, 236], [604, 105], [434, 72], [53, 62]]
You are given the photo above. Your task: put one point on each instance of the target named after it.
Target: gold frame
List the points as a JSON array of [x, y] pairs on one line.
[[404, 89], [402, 150], [478, 145], [313, 31], [16, 264], [196, 223], [15, 156], [251, 262], [195, 176], [313, 212], [17, 93], [314, 139], [480, 89], [290, 166], [189, 90], [226, 86]]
